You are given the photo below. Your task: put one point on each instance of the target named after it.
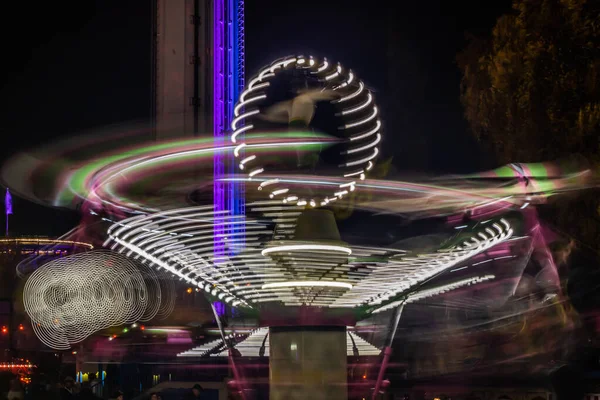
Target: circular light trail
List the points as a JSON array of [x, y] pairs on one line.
[[70, 298], [355, 108]]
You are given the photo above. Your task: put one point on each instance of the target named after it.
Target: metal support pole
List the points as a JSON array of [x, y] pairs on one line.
[[236, 373], [214, 310], [387, 350]]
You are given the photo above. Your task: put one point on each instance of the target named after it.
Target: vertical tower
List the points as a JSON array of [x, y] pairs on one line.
[[228, 82], [198, 73], [181, 66]]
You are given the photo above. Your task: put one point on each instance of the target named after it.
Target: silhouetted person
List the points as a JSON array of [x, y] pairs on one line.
[[118, 395], [50, 392], [95, 383], [67, 391], [195, 393], [86, 392]]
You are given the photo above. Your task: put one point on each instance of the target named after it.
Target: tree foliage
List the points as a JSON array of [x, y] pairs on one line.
[[531, 92]]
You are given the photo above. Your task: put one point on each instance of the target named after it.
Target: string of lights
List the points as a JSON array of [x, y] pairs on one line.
[[400, 273], [426, 293]]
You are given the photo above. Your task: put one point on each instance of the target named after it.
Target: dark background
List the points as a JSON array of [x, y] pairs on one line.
[[74, 66]]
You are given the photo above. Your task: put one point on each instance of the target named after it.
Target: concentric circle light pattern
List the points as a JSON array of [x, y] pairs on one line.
[[358, 125], [256, 271], [70, 298]]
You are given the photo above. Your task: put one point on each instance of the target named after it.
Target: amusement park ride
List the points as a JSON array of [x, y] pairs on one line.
[[248, 217]]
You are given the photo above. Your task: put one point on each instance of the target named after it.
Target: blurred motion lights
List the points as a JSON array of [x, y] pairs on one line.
[[70, 298], [355, 107]]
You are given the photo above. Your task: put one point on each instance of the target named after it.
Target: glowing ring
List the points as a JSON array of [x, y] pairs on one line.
[[361, 125], [71, 298]]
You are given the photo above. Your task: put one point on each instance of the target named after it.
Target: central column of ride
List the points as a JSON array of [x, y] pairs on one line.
[[308, 345], [307, 363]]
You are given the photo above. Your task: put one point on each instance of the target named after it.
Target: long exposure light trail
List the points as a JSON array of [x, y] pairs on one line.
[[293, 273], [352, 114]]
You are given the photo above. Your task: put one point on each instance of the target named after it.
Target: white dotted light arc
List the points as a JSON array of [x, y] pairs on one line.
[[359, 125], [292, 273], [70, 298]]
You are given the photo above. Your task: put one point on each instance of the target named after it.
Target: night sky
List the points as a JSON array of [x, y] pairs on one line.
[[74, 66]]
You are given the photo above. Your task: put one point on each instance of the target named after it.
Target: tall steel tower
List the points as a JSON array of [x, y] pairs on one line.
[[228, 82], [198, 74]]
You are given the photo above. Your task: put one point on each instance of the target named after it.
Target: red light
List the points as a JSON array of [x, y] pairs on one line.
[[4, 330], [114, 336], [365, 376], [21, 327], [142, 327]]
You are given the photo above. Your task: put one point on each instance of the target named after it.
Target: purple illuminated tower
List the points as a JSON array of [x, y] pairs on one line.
[[228, 82], [198, 73]]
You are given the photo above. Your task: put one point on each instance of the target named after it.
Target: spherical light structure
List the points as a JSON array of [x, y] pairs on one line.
[[353, 105]]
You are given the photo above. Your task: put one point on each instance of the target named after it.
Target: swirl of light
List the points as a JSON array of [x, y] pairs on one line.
[[70, 298], [359, 123], [291, 273], [167, 295], [161, 293], [108, 181], [146, 177]]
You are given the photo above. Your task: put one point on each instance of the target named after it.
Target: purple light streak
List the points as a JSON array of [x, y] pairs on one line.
[[219, 118]]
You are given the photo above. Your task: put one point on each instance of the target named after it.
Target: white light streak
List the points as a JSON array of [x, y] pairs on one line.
[[278, 192], [287, 284], [241, 117], [251, 100], [364, 160], [362, 121], [360, 136], [251, 89], [238, 132], [238, 148], [247, 160], [323, 67], [361, 87], [256, 172], [423, 294], [365, 147], [335, 74], [358, 107], [307, 248]]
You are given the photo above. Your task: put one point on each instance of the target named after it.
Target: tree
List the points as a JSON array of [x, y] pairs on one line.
[[531, 92]]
